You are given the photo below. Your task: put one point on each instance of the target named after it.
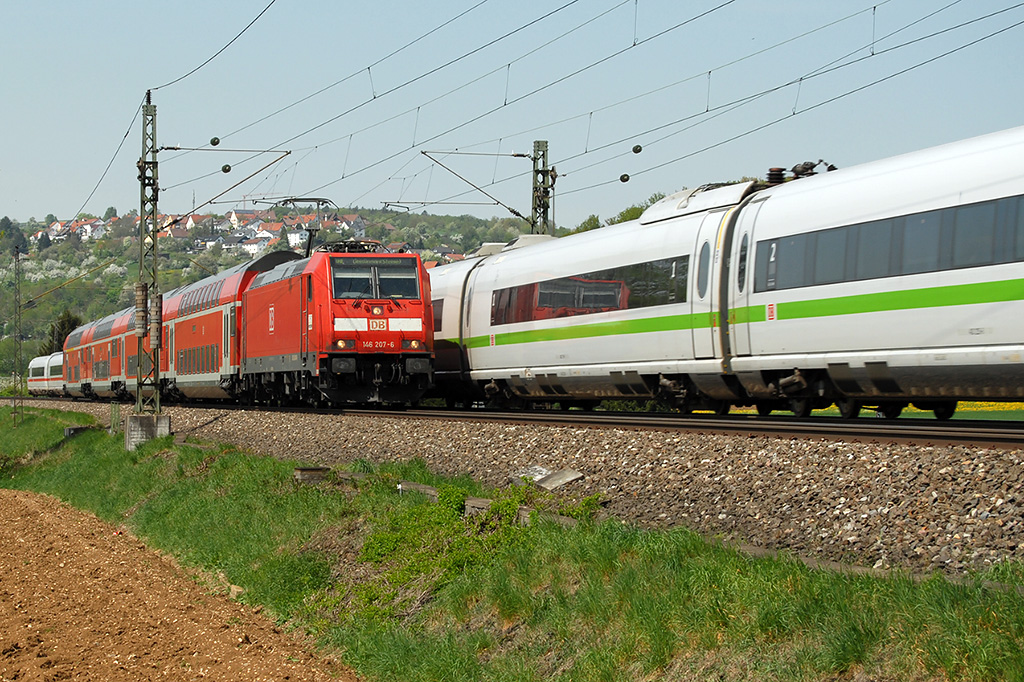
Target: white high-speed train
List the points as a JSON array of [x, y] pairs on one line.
[[895, 282]]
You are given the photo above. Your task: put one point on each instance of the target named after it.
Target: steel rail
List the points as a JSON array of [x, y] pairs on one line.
[[922, 432]]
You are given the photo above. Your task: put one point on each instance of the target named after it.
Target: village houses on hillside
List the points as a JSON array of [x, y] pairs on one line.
[[252, 231]]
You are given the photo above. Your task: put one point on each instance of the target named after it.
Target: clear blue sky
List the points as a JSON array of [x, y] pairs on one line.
[[74, 74]]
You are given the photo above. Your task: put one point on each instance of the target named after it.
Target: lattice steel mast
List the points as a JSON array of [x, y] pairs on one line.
[[543, 189], [18, 406], [148, 301]]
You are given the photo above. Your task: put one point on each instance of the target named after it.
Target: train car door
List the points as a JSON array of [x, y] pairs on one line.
[[741, 315], [306, 316], [225, 348], [704, 290]]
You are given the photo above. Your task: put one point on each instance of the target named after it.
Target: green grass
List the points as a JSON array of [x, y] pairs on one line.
[[38, 432], [410, 590]]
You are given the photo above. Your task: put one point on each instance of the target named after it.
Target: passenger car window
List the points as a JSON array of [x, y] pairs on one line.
[[741, 267], [703, 268]]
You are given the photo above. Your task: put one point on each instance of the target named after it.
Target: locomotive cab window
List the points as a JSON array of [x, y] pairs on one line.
[[398, 282], [376, 278]]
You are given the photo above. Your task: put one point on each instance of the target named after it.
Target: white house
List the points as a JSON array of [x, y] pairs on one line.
[[255, 245], [297, 237]]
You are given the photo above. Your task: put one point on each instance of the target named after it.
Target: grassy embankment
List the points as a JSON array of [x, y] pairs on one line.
[[410, 590]]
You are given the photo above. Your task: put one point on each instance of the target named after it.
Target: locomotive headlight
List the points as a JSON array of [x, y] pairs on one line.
[[377, 310], [345, 344], [412, 344]]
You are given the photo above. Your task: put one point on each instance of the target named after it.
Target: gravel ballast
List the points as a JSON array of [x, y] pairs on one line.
[[919, 508]]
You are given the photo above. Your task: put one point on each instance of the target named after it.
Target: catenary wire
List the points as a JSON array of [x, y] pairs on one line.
[[730, 106], [409, 82], [829, 68], [805, 110], [218, 52], [111, 162], [359, 72], [530, 94]]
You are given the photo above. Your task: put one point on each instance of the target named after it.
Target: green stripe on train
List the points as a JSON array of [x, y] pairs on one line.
[[930, 297], [666, 323]]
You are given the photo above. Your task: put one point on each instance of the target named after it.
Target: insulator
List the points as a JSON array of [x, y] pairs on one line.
[[637, 149], [624, 177], [214, 141], [141, 296], [155, 320]]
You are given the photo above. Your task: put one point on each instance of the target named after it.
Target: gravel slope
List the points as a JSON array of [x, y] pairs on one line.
[[921, 508]]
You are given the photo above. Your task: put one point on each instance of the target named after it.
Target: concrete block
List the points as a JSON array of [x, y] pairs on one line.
[[140, 428]]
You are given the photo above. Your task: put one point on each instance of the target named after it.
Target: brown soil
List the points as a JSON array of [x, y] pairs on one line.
[[81, 599]]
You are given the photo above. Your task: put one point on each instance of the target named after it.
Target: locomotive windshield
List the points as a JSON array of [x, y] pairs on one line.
[[375, 277]]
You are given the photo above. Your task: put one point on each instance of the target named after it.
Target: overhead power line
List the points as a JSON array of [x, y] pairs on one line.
[[355, 74], [218, 52], [805, 110], [826, 69], [719, 110], [396, 88], [117, 151], [524, 96]]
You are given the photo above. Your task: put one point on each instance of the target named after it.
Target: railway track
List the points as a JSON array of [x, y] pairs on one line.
[[923, 432]]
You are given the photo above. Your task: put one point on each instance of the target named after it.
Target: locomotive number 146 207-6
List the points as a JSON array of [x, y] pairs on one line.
[[378, 345]]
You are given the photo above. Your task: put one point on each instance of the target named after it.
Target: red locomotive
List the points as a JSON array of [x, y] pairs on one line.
[[349, 324], [346, 325]]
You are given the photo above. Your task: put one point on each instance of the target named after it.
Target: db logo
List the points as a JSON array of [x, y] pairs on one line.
[[771, 311], [270, 317], [378, 325]]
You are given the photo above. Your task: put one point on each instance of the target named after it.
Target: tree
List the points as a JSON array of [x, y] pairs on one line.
[[592, 222], [111, 212], [11, 237], [635, 211], [65, 323], [50, 219], [281, 244], [44, 242]]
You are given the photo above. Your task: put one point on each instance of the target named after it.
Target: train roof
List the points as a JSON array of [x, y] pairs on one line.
[[225, 284], [224, 287], [281, 271], [688, 201], [101, 329], [968, 171]]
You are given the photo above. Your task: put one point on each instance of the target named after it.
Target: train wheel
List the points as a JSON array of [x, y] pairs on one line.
[[848, 408], [890, 410], [764, 409], [800, 407], [944, 411]]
